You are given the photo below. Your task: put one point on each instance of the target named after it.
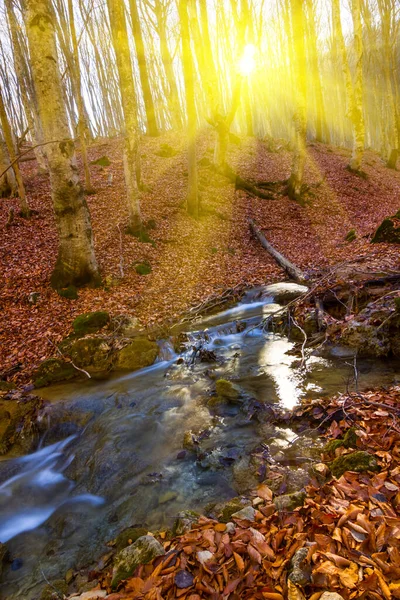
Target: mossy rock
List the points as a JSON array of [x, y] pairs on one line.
[[90, 322], [228, 391], [289, 502], [388, 231], [54, 590], [70, 292], [128, 537], [349, 441], [351, 236], [141, 552], [53, 370], [17, 418], [7, 386], [138, 354], [166, 151], [91, 353], [359, 462], [184, 521], [143, 268], [103, 161], [227, 509]]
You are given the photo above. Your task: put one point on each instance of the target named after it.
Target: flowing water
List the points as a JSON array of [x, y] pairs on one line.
[[112, 452]]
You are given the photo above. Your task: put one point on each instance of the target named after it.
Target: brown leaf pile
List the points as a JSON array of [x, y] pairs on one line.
[[350, 527], [190, 260]]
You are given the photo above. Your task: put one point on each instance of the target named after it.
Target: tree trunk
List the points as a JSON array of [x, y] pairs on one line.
[[358, 118], [76, 263], [188, 75], [82, 126], [292, 270], [152, 128], [131, 151], [300, 119], [8, 183], [8, 137]]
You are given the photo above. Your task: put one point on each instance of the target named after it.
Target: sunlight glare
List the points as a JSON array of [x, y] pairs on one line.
[[247, 63]]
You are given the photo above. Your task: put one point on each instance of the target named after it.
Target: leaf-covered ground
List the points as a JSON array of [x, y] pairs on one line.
[[348, 526], [190, 259]]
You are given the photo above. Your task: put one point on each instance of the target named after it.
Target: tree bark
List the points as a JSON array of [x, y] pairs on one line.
[[300, 118], [8, 137], [76, 262], [152, 128], [188, 75], [119, 34], [8, 183]]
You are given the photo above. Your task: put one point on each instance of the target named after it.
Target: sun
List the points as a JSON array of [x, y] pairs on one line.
[[247, 62]]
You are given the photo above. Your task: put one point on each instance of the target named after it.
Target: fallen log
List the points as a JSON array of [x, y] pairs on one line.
[[294, 272]]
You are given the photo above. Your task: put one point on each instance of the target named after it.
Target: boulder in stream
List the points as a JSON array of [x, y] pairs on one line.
[[92, 353], [284, 292], [53, 370], [140, 353], [228, 391], [140, 553]]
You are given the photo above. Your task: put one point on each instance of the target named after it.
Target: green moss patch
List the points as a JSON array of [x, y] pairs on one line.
[[138, 354], [349, 441], [356, 461], [103, 161], [70, 292], [90, 322], [143, 268], [53, 370]]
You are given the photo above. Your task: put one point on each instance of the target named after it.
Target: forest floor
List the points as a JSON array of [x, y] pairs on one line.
[[190, 259]]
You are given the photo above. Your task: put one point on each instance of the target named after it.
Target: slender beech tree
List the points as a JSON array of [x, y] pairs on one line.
[[151, 120], [8, 183], [357, 108], [188, 75], [116, 10], [82, 125], [9, 140], [300, 89], [76, 262]]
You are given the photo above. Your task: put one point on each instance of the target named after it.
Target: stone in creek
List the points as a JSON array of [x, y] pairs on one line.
[[183, 579], [284, 292], [140, 553], [246, 514]]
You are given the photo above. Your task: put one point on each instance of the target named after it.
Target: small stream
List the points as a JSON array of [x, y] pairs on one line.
[[113, 454]]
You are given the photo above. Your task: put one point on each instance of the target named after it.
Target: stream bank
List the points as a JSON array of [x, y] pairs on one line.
[[138, 448]]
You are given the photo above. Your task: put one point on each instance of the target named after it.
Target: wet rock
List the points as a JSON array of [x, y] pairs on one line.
[[17, 423], [247, 513], [184, 522], [6, 386], [289, 502], [167, 497], [245, 474], [92, 353], [356, 461], [365, 337], [225, 510], [140, 553], [284, 292], [128, 537], [138, 354], [4, 555], [53, 370], [54, 590], [331, 596], [228, 391], [299, 570], [189, 440], [183, 579], [126, 326], [90, 322]]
